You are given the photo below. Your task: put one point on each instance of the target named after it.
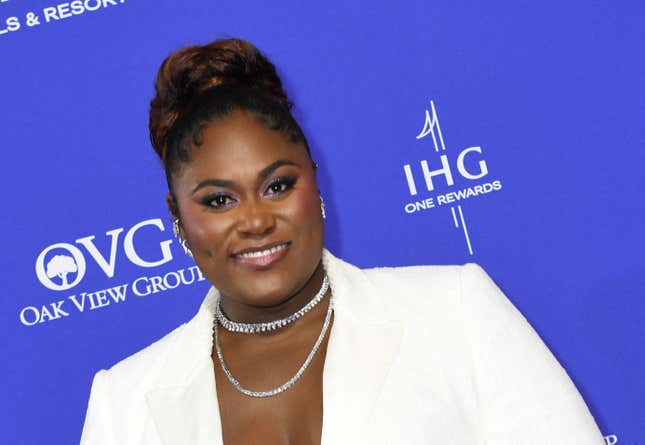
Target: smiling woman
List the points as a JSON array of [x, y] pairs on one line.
[[247, 189], [293, 345]]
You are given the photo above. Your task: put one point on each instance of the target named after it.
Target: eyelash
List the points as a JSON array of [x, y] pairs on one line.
[[287, 181]]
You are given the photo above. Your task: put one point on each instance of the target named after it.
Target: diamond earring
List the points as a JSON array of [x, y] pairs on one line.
[[322, 207], [184, 244], [175, 227]]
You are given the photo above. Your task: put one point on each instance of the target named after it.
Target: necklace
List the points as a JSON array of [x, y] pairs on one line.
[[254, 328], [289, 382]]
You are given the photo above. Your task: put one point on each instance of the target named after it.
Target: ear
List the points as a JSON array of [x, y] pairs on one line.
[[314, 167], [171, 202]]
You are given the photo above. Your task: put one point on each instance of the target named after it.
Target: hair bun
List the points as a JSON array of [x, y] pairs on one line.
[[190, 71]]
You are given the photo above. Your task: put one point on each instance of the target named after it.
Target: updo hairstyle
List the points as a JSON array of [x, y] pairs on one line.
[[197, 84]]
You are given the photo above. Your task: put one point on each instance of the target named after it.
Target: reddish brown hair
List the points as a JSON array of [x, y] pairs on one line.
[[199, 83]]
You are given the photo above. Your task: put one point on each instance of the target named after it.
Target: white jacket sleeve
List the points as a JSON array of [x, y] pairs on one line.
[[97, 429], [525, 395]]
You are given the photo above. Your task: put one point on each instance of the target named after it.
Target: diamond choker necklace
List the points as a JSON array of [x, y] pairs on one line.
[[263, 327], [289, 383], [254, 328]]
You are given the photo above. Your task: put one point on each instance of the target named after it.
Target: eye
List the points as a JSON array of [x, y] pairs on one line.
[[217, 201], [280, 185]]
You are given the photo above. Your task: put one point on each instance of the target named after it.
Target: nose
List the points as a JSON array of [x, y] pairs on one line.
[[256, 219]]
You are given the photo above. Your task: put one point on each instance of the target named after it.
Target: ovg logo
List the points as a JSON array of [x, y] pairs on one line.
[[62, 266], [60, 271]]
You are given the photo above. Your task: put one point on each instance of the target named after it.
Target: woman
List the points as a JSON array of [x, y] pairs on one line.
[[293, 345]]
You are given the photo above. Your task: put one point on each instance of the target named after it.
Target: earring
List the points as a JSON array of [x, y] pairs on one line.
[[322, 207], [175, 227], [184, 244]]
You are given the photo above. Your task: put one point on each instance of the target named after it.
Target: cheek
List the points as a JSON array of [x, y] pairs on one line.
[[304, 207], [305, 220], [204, 233]]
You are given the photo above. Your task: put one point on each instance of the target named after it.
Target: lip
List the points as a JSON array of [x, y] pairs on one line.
[[259, 248], [263, 262]]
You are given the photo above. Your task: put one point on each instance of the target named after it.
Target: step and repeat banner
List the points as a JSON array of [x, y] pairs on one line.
[[504, 133]]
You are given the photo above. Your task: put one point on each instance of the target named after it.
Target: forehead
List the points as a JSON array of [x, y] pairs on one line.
[[239, 143]]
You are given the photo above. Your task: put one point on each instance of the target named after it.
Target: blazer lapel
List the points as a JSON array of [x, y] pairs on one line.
[[187, 414], [184, 404], [362, 346]]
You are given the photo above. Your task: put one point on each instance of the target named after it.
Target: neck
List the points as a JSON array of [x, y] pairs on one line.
[[246, 313]]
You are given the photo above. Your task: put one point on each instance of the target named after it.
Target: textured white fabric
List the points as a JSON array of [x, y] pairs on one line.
[[416, 355]]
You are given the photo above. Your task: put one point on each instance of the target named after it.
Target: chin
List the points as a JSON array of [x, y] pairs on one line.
[[267, 298], [267, 290]]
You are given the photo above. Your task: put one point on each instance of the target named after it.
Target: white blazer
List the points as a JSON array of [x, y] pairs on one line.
[[416, 355]]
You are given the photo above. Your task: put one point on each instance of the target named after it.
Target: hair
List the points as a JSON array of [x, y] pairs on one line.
[[197, 84]]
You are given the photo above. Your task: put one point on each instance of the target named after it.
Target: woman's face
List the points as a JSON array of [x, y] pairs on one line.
[[249, 187]]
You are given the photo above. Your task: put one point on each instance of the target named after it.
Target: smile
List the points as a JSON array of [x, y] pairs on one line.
[[262, 253], [263, 259]]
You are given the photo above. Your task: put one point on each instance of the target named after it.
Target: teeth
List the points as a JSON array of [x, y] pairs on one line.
[[262, 252]]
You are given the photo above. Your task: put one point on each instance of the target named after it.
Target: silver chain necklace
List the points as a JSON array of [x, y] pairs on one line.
[[254, 328], [293, 379]]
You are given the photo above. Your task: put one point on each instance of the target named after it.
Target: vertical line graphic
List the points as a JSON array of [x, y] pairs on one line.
[[454, 216], [463, 223]]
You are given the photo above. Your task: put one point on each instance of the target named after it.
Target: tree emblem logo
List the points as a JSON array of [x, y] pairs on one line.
[[60, 266], [63, 270]]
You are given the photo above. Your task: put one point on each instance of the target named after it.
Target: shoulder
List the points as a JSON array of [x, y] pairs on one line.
[[419, 290], [465, 292], [434, 290], [141, 369], [171, 358], [431, 277], [429, 274], [436, 282]]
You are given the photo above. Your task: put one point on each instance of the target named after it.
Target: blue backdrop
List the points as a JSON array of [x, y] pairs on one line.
[[510, 134]]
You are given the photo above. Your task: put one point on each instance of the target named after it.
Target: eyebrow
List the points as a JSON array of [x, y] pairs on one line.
[[266, 171]]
